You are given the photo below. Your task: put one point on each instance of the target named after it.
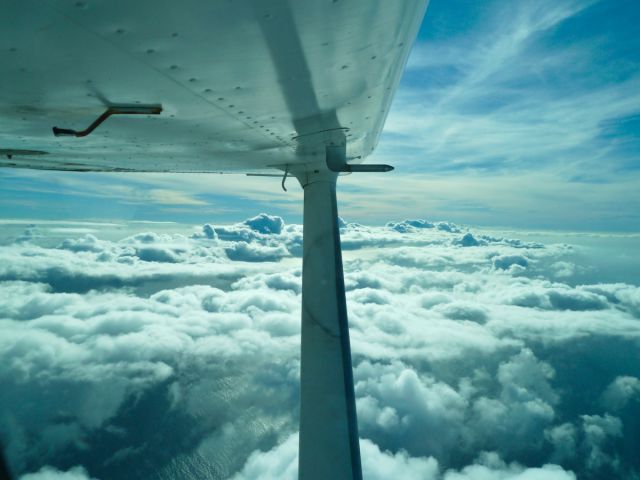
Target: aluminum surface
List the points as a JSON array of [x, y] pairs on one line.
[[245, 85]]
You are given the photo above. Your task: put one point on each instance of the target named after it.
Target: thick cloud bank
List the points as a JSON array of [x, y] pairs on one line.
[[281, 463], [177, 356]]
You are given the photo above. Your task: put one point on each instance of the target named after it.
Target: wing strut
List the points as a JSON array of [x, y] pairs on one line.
[[329, 447]]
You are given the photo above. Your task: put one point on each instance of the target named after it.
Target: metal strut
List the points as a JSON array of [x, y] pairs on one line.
[[329, 445], [329, 442]]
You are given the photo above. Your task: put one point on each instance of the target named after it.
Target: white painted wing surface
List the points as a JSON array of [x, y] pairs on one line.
[[244, 84]]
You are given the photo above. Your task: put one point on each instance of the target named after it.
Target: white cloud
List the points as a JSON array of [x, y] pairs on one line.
[[521, 408], [506, 262], [380, 465], [452, 355], [621, 391], [50, 473], [563, 439], [281, 463], [598, 433], [396, 406], [491, 467]]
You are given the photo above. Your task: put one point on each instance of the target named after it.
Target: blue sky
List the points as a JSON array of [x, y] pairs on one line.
[[523, 114]]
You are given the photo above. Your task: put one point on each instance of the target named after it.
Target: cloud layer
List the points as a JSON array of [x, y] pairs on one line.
[[167, 355]]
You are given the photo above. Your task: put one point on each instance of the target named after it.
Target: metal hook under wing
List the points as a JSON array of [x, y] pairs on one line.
[[111, 110], [284, 177]]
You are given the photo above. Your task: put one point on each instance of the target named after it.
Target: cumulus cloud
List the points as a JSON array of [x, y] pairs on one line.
[[563, 439], [281, 464], [522, 407], [490, 466], [467, 240], [506, 262], [162, 353], [621, 391], [50, 473], [410, 225], [598, 432], [264, 223], [395, 403]]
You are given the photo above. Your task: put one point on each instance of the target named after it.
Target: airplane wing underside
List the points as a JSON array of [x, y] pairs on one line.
[[243, 84]]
